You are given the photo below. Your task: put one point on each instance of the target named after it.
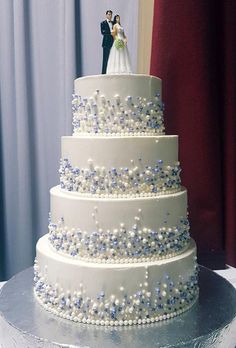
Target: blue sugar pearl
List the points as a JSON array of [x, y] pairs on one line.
[[113, 312], [78, 303], [39, 286], [63, 302], [102, 294], [183, 295]]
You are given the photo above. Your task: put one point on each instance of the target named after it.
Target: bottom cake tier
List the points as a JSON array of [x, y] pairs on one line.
[[115, 294]]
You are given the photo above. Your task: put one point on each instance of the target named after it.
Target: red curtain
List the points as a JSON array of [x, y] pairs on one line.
[[194, 53]]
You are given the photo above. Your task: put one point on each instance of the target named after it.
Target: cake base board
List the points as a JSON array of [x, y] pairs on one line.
[[211, 322]]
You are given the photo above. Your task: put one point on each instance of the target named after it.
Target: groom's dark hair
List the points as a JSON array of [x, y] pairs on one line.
[[108, 11]]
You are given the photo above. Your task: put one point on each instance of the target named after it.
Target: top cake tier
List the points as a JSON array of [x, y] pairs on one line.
[[117, 105]]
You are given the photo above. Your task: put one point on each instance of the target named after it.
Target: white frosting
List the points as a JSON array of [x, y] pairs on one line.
[[120, 192], [108, 230], [69, 273], [109, 286], [90, 213], [118, 152], [120, 166], [123, 105], [135, 85]]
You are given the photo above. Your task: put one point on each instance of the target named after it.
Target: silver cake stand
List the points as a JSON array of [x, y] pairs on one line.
[[210, 323]]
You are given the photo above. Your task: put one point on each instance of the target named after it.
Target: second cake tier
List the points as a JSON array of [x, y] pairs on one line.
[[120, 166], [118, 230]]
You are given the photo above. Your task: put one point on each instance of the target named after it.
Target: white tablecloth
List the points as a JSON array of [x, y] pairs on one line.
[[229, 274]]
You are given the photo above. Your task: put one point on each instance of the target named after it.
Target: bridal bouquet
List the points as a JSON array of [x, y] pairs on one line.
[[119, 43]]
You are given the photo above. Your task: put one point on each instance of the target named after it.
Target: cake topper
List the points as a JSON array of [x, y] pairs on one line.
[[116, 58]]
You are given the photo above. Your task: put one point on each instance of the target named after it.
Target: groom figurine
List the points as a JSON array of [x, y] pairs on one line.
[[107, 42]]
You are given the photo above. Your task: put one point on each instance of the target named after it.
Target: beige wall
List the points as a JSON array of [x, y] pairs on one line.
[[145, 35]]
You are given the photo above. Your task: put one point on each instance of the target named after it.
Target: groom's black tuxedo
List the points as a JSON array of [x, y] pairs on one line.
[[107, 43]]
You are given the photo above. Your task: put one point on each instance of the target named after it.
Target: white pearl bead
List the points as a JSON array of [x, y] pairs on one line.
[[164, 293]]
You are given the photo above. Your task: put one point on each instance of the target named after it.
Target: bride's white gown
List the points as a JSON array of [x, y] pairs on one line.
[[119, 60]]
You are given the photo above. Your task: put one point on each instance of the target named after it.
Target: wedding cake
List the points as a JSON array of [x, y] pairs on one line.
[[118, 250]]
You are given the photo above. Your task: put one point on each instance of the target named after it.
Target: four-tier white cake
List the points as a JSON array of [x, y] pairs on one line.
[[118, 250]]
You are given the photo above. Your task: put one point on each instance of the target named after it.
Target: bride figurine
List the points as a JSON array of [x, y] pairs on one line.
[[119, 60]]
